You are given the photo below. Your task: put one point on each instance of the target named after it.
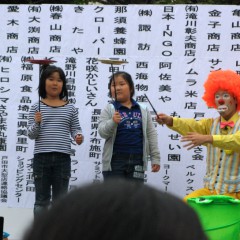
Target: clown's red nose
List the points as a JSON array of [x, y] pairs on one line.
[[221, 101]]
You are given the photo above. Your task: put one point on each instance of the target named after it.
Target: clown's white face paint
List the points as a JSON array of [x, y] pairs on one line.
[[226, 104]]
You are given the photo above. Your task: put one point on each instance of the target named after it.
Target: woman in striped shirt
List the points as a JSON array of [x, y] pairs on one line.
[[51, 123]]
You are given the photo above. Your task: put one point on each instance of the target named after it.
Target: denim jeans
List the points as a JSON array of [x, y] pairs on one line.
[[51, 172], [126, 166]]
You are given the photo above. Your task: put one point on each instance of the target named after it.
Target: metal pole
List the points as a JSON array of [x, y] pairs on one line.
[[114, 82]]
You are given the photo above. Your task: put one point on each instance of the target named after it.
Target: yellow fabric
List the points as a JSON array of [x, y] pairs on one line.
[[206, 192], [203, 126], [222, 156], [223, 168]]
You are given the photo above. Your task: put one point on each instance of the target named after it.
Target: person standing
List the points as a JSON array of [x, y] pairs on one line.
[[221, 136], [130, 137], [51, 128]]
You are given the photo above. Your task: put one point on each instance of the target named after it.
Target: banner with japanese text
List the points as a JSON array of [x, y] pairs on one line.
[[170, 50]]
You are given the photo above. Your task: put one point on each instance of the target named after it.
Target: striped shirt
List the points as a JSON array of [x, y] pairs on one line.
[[53, 133], [223, 166]]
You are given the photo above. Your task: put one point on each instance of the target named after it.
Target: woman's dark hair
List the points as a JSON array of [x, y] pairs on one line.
[[47, 71], [127, 77], [117, 210]]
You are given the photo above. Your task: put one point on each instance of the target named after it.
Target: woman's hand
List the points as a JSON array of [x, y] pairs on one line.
[[117, 117], [155, 168], [79, 139], [195, 139], [162, 118], [38, 117]]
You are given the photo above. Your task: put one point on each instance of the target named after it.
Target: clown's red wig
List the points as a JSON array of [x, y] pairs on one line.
[[226, 80]]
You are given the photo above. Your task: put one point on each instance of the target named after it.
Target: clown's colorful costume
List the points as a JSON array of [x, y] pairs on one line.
[[222, 91]]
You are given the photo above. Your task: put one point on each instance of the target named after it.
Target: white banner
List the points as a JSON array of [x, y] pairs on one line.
[[169, 49]]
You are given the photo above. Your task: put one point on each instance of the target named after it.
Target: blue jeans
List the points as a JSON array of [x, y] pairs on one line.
[[51, 171], [126, 166]]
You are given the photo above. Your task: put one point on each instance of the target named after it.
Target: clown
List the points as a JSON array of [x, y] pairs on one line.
[[221, 135]]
